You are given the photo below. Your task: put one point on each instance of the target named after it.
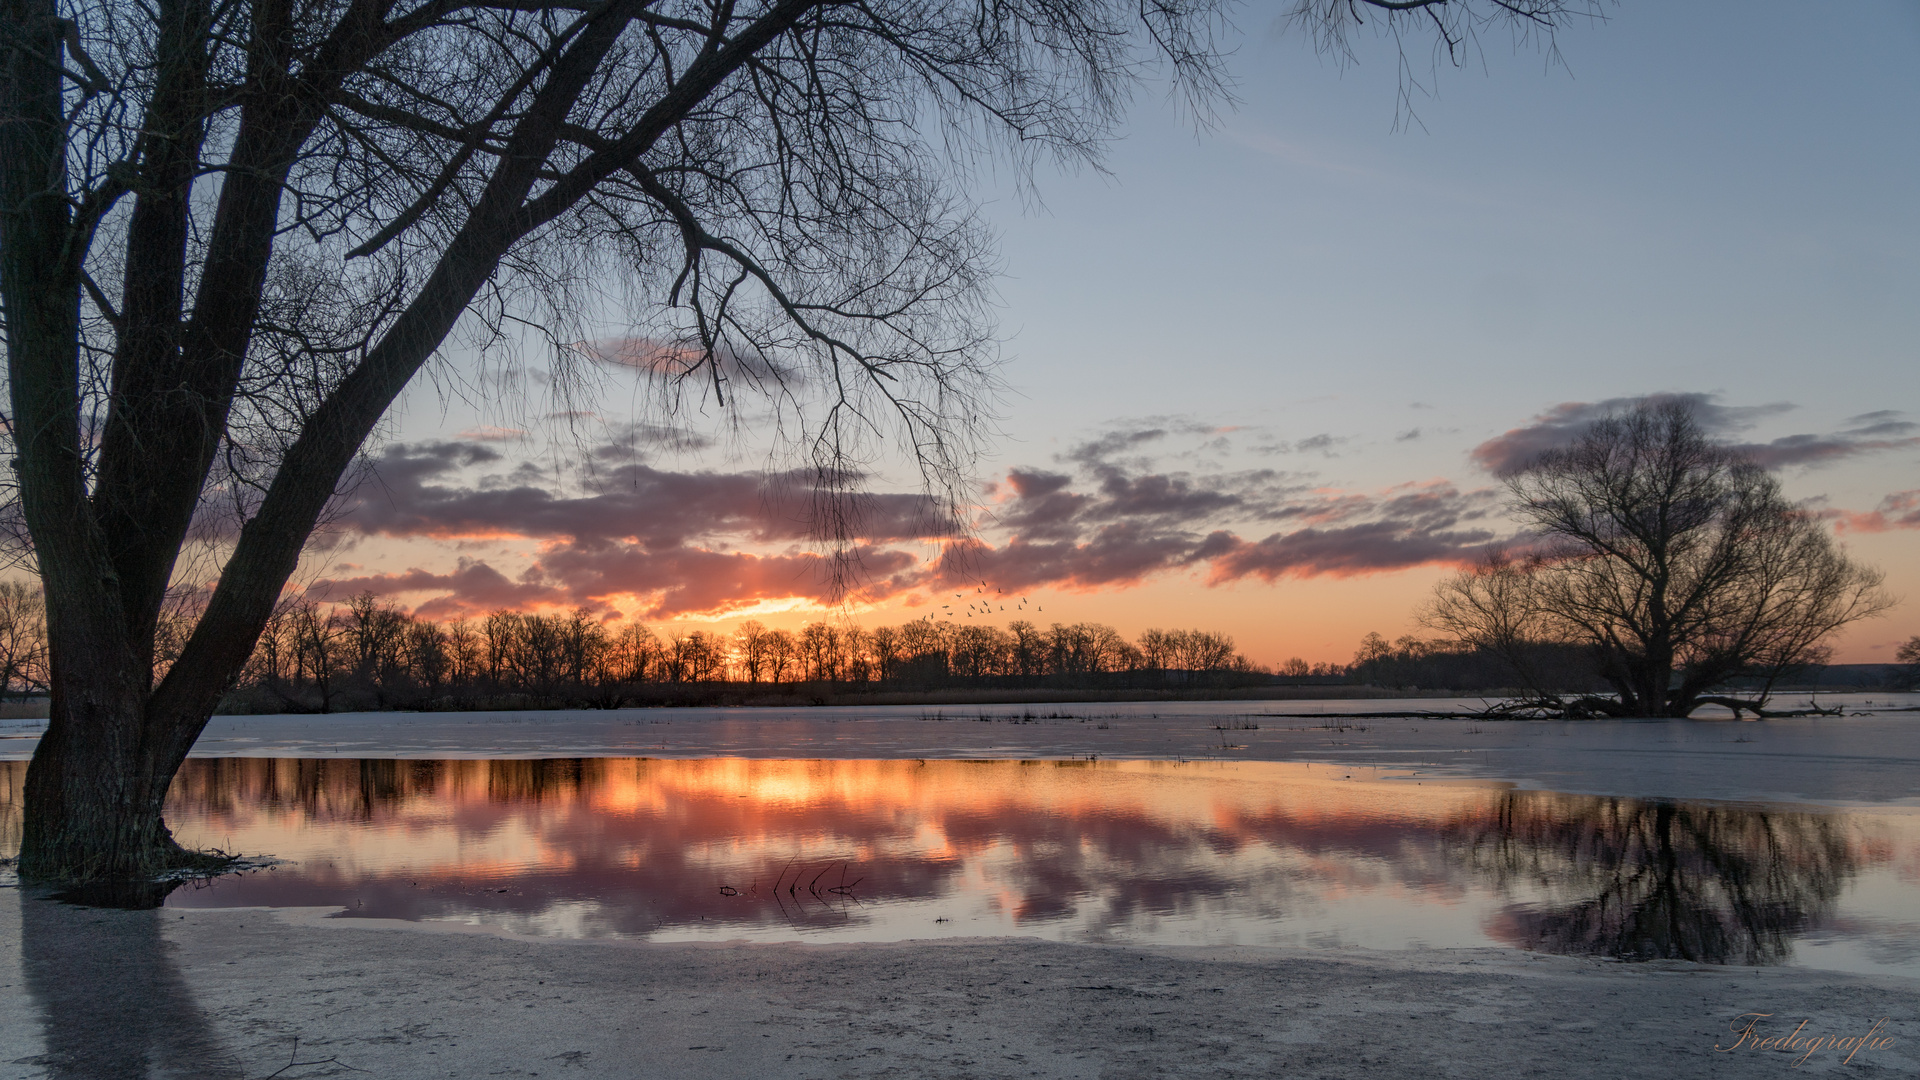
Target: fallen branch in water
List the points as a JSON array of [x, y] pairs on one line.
[[1758, 708]]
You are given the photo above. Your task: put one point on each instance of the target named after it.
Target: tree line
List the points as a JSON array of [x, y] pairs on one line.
[[1411, 662], [369, 653]]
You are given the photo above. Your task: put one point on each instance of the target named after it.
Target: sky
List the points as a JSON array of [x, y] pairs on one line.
[[1262, 375]]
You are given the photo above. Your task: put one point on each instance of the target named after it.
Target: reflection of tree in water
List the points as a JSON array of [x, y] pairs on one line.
[[631, 846], [655, 843], [349, 789], [13, 777], [1657, 880]]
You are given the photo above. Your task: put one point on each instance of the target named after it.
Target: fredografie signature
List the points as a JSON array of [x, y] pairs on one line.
[[1752, 1036]]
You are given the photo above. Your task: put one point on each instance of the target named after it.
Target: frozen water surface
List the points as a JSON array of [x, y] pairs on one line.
[[1794, 841]]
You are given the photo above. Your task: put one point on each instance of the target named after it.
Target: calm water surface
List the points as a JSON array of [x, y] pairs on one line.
[[1137, 851]]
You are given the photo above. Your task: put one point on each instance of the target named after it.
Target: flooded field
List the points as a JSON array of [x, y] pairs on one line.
[[1257, 853]]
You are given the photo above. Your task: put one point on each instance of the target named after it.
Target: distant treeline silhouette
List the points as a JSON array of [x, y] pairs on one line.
[[1439, 664], [367, 653]]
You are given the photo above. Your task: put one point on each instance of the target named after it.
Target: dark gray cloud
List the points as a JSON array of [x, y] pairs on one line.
[[426, 489], [1511, 452], [1366, 548], [1113, 521], [1870, 433], [631, 528]]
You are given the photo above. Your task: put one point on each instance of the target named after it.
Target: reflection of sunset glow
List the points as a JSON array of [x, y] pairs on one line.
[[1184, 852]]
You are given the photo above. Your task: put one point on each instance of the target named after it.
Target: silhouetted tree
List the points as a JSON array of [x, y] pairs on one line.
[[1675, 562], [782, 654], [1908, 657], [23, 638]]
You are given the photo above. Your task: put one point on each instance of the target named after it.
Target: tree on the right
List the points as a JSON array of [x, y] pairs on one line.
[[1674, 562], [1908, 659]]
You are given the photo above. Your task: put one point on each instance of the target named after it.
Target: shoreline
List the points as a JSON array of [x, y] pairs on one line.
[[809, 696], [1851, 761]]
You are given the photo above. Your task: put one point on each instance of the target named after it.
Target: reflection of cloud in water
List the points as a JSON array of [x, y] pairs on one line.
[[1162, 851], [1140, 840]]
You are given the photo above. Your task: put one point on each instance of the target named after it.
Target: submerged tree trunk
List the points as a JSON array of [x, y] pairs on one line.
[[93, 810], [97, 786]]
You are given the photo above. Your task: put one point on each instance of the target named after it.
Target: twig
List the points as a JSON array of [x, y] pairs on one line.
[[293, 1061]]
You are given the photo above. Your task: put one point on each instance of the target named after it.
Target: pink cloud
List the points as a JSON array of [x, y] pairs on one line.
[[1901, 510]]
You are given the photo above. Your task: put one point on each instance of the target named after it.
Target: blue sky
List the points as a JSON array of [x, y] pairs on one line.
[[1706, 196]]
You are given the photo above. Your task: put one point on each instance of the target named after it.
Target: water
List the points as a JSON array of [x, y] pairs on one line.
[[1197, 852]]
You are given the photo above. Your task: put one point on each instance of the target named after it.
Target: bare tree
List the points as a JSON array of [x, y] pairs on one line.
[[783, 655], [318, 650], [428, 656], [376, 636], [23, 638], [1676, 562], [750, 645], [635, 654], [884, 643], [1908, 657], [231, 233]]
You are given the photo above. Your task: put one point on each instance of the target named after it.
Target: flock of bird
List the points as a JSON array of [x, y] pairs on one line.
[[984, 605]]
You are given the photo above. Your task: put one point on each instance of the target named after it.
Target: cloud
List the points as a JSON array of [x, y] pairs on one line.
[[672, 539], [680, 359], [670, 583], [1869, 433], [1114, 523], [1900, 510], [422, 490], [494, 434], [472, 587], [1348, 535], [706, 542], [1509, 453], [1368, 548]]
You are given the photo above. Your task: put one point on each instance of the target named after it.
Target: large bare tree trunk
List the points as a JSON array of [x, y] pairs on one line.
[[97, 786], [95, 796]]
